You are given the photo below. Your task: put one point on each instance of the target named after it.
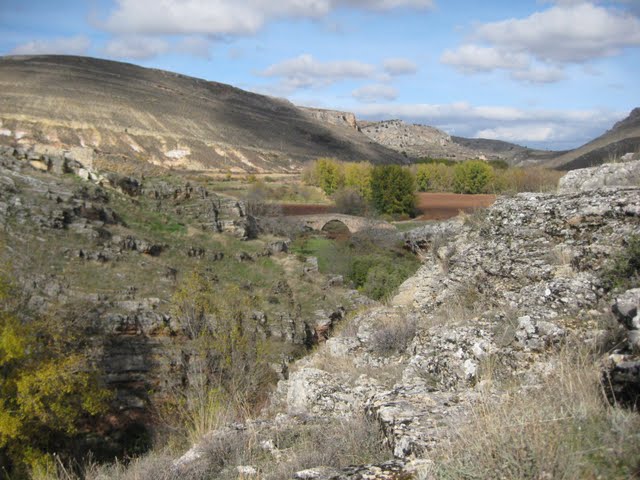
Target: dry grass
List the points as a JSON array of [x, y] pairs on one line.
[[466, 303], [560, 428], [275, 454], [393, 335]]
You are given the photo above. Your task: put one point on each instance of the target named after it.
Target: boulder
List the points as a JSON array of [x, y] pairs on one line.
[[625, 174]]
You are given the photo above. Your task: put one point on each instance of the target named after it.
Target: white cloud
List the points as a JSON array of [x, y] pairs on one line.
[[534, 49], [196, 46], [540, 74], [136, 47], [521, 133], [228, 17], [375, 92], [550, 128], [387, 4], [571, 33], [475, 58], [78, 45], [305, 71], [399, 66]]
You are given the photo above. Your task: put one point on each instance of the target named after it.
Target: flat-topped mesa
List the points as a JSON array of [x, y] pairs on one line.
[[333, 117]]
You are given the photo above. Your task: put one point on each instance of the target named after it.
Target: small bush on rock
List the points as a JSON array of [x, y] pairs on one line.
[[624, 270]]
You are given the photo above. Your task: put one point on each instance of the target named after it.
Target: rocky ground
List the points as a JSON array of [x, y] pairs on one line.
[[500, 292], [107, 253]]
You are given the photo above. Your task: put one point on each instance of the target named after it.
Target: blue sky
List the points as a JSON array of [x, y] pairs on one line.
[[545, 73]]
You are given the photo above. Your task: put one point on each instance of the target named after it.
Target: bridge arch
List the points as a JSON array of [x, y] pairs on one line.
[[353, 224], [336, 228]]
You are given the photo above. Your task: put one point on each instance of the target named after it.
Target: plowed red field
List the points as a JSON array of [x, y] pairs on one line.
[[431, 206], [305, 209], [440, 206]]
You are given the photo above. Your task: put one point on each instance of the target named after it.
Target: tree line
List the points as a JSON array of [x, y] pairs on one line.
[[357, 188]]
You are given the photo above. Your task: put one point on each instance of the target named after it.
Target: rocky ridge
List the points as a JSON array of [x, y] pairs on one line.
[[505, 286], [420, 141], [415, 141]]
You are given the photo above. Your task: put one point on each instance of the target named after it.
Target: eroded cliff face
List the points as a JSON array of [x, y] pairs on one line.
[[333, 117], [505, 288]]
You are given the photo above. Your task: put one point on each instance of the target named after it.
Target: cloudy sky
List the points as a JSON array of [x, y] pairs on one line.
[[545, 73]]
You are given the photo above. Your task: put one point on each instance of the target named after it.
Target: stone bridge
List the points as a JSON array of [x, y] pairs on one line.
[[354, 224]]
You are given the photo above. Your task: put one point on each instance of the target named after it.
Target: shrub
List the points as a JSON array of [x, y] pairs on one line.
[[393, 335], [357, 176], [393, 190], [230, 361], [624, 269], [474, 176], [376, 270], [441, 161], [499, 164], [530, 179], [257, 201], [350, 201]]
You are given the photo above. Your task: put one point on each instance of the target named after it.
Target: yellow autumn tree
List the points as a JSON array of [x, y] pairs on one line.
[[46, 390]]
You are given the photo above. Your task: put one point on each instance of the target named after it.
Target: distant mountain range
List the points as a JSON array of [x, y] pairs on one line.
[[133, 113]]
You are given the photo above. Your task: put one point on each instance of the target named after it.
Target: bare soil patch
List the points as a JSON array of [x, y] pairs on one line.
[[440, 206], [431, 206]]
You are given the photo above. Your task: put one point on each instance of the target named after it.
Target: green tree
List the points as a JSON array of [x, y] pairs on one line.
[[47, 390], [328, 175], [357, 176], [434, 177], [474, 176], [393, 190]]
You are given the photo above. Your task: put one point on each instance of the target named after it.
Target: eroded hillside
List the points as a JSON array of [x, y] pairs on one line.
[[167, 119]]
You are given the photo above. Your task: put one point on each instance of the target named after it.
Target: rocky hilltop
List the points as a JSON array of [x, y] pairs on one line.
[[415, 141], [132, 113], [419, 141], [502, 298]]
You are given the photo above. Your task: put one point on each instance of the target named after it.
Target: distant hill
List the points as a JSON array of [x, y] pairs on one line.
[[168, 119], [623, 138], [417, 141], [513, 153]]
